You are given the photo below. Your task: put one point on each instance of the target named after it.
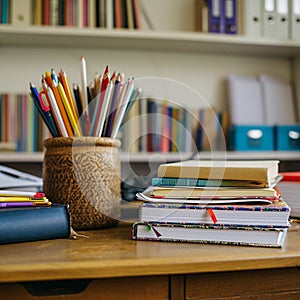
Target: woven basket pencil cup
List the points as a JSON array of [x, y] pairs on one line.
[[84, 173]]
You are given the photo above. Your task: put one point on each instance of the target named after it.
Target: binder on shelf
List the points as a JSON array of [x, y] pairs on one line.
[[279, 106], [252, 18], [21, 13], [282, 19], [215, 16], [295, 20], [201, 16], [4, 12], [269, 19], [230, 16], [245, 100]]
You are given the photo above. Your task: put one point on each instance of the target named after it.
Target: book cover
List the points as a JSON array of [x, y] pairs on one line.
[[258, 170], [275, 214], [214, 192], [34, 223], [192, 182], [212, 234]]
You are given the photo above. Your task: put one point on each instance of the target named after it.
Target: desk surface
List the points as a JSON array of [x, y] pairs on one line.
[[111, 253]]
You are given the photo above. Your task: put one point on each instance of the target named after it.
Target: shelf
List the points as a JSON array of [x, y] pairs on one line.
[[157, 157], [145, 40]]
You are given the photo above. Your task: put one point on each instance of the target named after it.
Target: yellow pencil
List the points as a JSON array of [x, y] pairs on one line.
[[22, 198], [68, 109], [65, 83], [62, 109]]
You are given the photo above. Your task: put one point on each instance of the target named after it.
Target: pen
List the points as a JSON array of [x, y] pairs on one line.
[[21, 198], [22, 193], [23, 204]]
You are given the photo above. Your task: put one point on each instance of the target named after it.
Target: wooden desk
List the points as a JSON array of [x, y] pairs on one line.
[[109, 265]]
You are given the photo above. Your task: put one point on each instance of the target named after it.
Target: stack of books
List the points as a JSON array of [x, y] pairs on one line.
[[30, 216], [223, 202]]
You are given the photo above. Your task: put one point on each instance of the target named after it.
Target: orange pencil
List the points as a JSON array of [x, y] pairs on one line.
[[68, 109]]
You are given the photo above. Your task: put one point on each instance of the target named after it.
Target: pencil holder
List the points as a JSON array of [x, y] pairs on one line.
[[84, 173]]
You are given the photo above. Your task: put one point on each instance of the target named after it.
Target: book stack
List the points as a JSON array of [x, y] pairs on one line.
[[222, 202], [30, 216]]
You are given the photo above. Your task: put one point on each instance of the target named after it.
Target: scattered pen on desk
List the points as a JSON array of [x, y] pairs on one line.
[[22, 194], [21, 198], [23, 204]]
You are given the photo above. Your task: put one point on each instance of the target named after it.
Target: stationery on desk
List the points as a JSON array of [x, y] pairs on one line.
[[172, 211], [67, 115]]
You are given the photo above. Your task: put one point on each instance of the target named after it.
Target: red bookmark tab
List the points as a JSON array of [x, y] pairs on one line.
[[39, 195], [212, 215], [151, 227]]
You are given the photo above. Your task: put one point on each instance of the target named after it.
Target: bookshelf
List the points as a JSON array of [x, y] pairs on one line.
[[200, 60]]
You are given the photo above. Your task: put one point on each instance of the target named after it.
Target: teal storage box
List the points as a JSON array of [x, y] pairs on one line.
[[287, 137], [251, 138]]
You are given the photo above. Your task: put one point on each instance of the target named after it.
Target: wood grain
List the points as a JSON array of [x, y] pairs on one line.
[[112, 253]]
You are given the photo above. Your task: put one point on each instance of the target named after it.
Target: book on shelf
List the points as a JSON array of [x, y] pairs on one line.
[[257, 170], [20, 123], [156, 125], [24, 224], [81, 14], [212, 234]]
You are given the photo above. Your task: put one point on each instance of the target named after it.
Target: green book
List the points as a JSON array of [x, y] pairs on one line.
[[190, 182]]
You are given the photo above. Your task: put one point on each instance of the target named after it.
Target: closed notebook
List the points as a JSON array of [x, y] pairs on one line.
[[34, 223], [246, 214], [211, 192], [213, 234], [260, 170]]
